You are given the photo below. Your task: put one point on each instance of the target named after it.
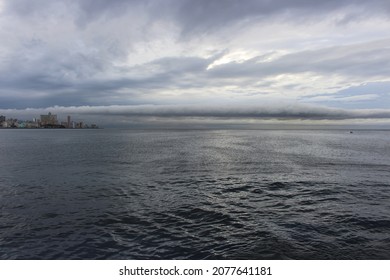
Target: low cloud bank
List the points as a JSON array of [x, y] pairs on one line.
[[283, 112]]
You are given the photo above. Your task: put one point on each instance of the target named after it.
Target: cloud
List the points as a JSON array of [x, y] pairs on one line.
[[210, 15], [368, 60], [171, 52], [268, 111], [287, 73], [363, 97]]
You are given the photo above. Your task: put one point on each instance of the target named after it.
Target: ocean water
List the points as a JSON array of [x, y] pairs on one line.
[[206, 194]]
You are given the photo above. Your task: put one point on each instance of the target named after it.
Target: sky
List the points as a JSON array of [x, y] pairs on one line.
[[197, 62]]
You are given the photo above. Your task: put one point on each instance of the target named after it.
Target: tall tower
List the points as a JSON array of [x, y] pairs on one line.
[[68, 122]]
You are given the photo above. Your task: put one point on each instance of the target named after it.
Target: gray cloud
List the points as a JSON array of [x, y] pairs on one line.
[[96, 52], [268, 111], [367, 60], [80, 79], [205, 16], [193, 16], [366, 95]]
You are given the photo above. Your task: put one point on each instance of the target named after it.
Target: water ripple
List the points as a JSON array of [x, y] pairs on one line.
[[195, 195]]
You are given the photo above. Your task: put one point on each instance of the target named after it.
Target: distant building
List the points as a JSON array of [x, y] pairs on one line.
[[48, 119], [21, 124], [80, 125], [32, 124], [10, 123]]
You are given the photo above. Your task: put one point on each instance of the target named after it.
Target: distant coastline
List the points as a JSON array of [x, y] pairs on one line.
[[48, 121], [36, 128]]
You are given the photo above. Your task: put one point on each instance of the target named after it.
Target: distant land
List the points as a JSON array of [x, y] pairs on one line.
[[45, 121]]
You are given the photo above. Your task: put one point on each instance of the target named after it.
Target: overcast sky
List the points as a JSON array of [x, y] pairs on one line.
[[232, 61]]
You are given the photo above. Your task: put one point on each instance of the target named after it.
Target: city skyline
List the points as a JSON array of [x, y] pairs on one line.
[[45, 121], [252, 63]]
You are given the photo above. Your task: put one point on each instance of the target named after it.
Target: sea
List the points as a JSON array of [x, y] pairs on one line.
[[194, 194]]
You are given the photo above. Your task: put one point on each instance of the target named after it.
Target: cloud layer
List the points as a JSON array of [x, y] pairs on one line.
[[281, 112], [211, 54]]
